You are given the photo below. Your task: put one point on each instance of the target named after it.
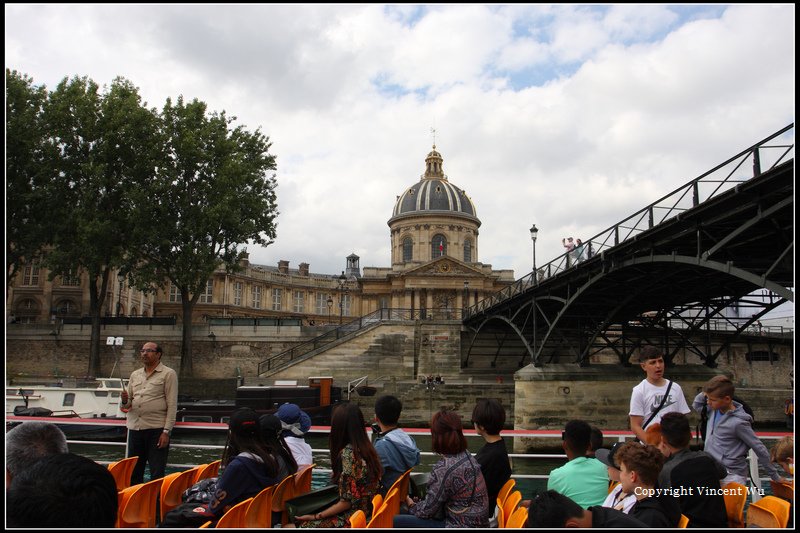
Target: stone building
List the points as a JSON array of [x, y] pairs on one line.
[[434, 272]]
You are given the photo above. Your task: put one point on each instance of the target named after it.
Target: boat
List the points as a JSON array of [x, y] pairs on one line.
[[317, 399], [69, 398]]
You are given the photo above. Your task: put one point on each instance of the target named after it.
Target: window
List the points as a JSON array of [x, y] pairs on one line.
[[408, 249], [299, 302], [30, 275], [174, 294], [135, 311], [322, 303], [277, 294], [70, 280], [467, 251], [384, 302], [208, 296], [237, 293], [69, 400], [438, 246], [346, 304], [256, 296], [66, 307]]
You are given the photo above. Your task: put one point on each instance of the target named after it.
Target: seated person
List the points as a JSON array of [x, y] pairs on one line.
[[62, 490], [488, 417], [639, 465], [617, 499], [553, 510], [685, 470], [583, 479]]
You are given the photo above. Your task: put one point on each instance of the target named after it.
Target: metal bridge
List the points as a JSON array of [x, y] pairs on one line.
[[668, 274]]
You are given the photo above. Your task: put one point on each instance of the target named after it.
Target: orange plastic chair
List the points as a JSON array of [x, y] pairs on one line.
[[392, 503], [518, 519], [501, 520], [511, 504], [778, 508], [302, 480], [683, 523], [735, 495], [122, 470], [259, 514], [172, 489], [234, 517], [401, 484], [783, 490], [377, 501], [283, 491], [381, 519], [138, 505], [207, 471], [358, 519], [505, 490]]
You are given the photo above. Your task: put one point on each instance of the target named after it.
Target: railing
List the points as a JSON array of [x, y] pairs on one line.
[[381, 315], [721, 178], [322, 455]]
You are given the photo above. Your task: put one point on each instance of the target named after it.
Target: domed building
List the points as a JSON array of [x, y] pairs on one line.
[[434, 243], [434, 272]]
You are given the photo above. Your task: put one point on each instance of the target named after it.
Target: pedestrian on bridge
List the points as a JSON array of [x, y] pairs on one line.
[[570, 246]]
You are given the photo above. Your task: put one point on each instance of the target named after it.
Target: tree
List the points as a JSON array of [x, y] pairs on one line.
[[27, 172], [107, 147], [210, 195]]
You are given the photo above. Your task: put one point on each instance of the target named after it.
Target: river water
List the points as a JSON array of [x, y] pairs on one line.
[[210, 444]]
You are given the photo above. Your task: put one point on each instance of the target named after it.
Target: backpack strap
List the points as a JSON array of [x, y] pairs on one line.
[[663, 401]]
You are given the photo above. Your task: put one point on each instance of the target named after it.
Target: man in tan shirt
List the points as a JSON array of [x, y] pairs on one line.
[[151, 400]]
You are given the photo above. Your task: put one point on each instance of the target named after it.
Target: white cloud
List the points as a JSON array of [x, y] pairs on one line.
[[569, 117]]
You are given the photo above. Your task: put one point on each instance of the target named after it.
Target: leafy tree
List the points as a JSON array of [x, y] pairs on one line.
[[27, 172], [210, 195], [108, 146]]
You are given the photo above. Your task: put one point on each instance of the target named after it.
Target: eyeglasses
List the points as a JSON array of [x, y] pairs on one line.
[[145, 350]]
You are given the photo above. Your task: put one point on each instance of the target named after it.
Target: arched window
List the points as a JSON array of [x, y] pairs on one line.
[[408, 249], [467, 250], [67, 308], [134, 311], [438, 246]]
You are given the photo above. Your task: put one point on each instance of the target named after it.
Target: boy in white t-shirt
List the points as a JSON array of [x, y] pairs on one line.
[[648, 402]]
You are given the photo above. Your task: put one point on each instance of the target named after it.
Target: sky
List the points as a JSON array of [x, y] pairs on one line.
[[569, 117]]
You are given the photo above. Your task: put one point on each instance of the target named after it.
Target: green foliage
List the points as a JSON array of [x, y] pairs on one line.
[[99, 183], [26, 175]]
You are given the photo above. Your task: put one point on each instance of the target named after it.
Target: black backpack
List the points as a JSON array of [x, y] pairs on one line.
[[701, 429]]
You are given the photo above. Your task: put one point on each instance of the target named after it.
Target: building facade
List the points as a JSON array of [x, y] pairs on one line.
[[434, 272]]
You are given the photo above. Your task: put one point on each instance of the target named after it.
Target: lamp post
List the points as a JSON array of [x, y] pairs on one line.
[[120, 278], [330, 306], [342, 280], [534, 232], [466, 296]]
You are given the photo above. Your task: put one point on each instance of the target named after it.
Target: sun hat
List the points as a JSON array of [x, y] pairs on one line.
[[295, 420]]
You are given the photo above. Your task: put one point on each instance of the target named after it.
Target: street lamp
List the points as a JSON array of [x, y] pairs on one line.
[[534, 232], [466, 295], [330, 306], [342, 280], [121, 278]]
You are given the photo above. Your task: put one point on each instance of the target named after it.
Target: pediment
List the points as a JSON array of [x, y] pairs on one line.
[[443, 266]]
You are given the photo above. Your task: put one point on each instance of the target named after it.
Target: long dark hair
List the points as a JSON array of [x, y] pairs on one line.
[[275, 443], [348, 427], [248, 440]]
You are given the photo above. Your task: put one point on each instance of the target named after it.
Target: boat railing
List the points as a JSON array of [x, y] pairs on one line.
[[321, 454]]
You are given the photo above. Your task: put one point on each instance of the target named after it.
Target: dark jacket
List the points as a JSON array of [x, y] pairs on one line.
[[696, 477], [657, 511], [243, 477], [605, 517]]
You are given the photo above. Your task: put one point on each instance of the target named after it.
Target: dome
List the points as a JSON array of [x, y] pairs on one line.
[[433, 194]]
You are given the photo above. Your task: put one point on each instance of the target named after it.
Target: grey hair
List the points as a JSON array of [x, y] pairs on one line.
[[31, 441]]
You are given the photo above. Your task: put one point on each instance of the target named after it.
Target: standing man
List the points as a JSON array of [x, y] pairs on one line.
[[151, 400], [655, 396]]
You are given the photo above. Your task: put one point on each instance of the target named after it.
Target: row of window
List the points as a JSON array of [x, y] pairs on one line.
[[30, 277], [438, 248], [324, 302]]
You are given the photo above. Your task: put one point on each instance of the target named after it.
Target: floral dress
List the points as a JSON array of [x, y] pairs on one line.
[[356, 485]]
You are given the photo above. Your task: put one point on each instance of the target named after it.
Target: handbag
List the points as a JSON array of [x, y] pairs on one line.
[[312, 502], [187, 514]]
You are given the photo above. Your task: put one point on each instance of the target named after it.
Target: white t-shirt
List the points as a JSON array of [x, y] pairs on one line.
[[301, 450], [646, 398], [613, 500]]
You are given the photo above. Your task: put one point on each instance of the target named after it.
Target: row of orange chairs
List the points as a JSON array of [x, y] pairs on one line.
[[256, 512]]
